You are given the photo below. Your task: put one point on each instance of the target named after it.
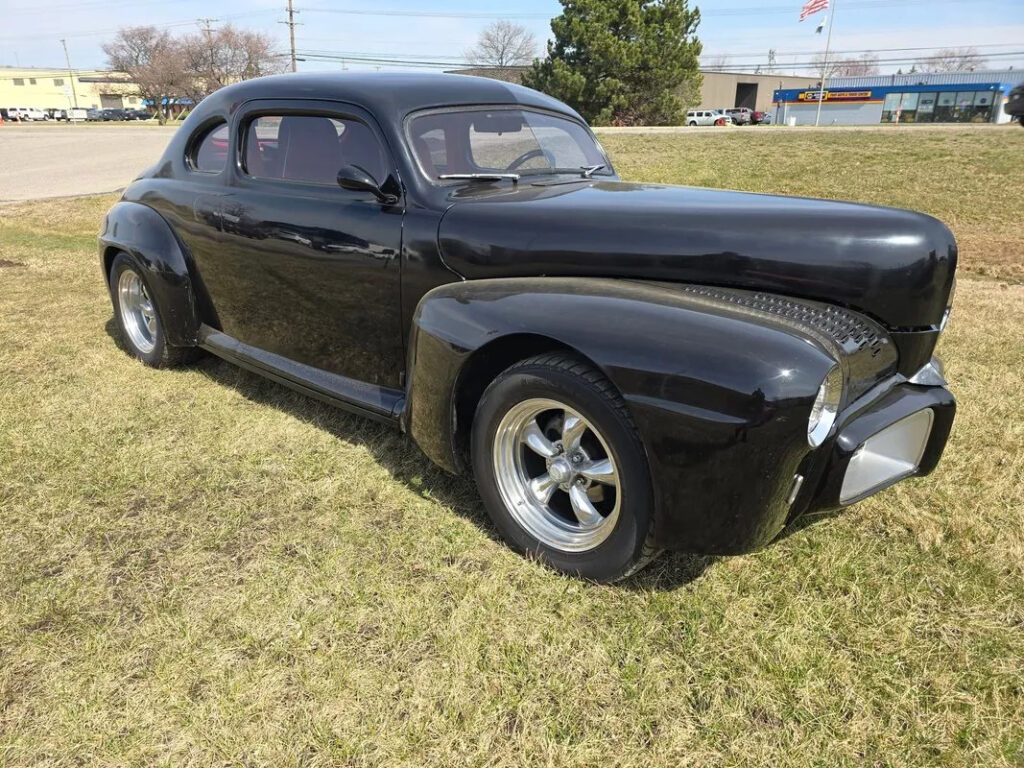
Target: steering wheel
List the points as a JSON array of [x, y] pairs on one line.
[[526, 156]]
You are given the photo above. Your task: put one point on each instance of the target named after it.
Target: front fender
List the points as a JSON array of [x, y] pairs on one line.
[[720, 394], [140, 231]]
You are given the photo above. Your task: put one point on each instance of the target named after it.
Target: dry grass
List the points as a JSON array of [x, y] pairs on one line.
[[198, 567]]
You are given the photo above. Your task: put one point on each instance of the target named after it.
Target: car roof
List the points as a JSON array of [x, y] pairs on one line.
[[386, 94]]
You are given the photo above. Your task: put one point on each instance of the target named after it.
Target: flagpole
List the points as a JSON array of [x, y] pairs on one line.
[[824, 65]]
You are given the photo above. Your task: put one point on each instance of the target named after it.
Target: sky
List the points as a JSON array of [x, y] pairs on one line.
[[742, 31]]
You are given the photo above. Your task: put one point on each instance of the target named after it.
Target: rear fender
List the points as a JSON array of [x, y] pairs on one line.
[[144, 234]]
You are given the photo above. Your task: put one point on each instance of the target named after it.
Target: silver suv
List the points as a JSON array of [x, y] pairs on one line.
[[707, 117]]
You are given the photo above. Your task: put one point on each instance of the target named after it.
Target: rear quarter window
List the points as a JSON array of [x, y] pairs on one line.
[[209, 152]]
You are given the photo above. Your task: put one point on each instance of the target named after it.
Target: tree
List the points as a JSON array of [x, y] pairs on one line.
[[717, 63], [863, 65], [215, 58], [622, 62], [502, 45], [151, 59], [953, 60]]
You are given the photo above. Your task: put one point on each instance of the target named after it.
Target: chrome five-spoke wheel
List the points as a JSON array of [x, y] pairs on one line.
[[556, 475], [138, 316]]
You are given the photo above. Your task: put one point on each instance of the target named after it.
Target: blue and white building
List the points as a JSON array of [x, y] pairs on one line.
[[938, 97]]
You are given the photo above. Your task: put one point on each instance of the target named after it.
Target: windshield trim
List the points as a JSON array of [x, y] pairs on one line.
[[608, 170]]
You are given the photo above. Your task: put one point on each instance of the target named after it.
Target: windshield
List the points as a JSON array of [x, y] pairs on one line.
[[503, 140]]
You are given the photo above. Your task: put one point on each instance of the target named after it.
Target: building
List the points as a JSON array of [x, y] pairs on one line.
[[724, 90], [939, 97], [61, 88]]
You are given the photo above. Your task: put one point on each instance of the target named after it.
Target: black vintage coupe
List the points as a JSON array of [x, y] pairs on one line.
[[624, 367]]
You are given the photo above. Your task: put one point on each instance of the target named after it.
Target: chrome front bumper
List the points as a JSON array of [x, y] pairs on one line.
[[887, 456], [897, 435]]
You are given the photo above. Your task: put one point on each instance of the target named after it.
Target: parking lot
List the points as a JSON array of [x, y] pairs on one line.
[[59, 160]]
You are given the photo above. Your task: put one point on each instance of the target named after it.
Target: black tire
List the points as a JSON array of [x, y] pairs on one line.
[[567, 379], [693, 123], [1021, 119], [162, 354]]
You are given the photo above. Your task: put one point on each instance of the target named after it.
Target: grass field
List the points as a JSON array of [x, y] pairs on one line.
[[198, 567]]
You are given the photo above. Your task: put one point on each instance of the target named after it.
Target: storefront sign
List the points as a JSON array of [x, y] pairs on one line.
[[836, 96]]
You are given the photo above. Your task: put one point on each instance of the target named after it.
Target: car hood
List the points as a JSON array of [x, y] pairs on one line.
[[894, 265]]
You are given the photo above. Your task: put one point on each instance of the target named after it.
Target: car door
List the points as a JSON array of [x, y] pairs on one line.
[[308, 270]]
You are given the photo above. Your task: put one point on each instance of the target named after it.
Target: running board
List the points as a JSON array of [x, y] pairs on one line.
[[380, 403]]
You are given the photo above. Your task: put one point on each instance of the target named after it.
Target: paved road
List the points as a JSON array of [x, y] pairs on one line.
[[60, 160]]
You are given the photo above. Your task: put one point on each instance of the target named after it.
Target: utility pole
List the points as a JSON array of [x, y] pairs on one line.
[[291, 30], [824, 64], [71, 74], [207, 25]]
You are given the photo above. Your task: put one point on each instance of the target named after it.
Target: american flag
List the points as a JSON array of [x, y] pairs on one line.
[[812, 7]]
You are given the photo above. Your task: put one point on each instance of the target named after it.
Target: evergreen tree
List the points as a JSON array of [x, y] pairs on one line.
[[622, 62]]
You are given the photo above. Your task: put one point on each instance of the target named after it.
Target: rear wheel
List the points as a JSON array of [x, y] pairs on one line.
[[561, 468], [1021, 118], [138, 317], [693, 122]]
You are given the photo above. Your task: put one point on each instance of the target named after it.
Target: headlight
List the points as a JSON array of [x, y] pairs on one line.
[[826, 407]]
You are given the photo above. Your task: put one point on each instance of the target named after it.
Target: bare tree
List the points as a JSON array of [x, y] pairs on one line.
[[502, 45], [717, 63], [151, 59], [953, 60], [863, 65], [213, 58]]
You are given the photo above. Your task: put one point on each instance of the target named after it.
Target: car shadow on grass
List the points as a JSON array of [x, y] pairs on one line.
[[404, 461]]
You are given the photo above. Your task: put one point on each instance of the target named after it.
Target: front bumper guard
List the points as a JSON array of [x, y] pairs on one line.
[[901, 434]]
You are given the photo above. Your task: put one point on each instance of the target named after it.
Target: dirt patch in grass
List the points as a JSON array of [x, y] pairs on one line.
[[199, 567]]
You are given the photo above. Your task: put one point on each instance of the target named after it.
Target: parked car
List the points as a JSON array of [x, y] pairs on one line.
[[94, 115], [623, 367], [114, 115], [740, 115], [757, 117], [1015, 103], [140, 114], [707, 117], [26, 114]]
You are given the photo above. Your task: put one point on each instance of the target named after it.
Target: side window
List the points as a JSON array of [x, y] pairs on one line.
[[310, 148], [210, 154]]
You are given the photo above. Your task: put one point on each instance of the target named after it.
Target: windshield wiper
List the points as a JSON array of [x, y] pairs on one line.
[[513, 177], [585, 171]]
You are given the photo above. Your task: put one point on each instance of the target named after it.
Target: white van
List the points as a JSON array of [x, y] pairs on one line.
[[707, 117]]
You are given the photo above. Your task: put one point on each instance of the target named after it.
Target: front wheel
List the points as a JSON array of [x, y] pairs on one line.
[[561, 468], [693, 123]]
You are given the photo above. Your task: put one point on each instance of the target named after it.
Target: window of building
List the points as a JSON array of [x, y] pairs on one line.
[[889, 106], [58, 81], [19, 81], [31, 81], [945, 107], [908, 108], [210, 153], [926, 107], [983, 101]]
